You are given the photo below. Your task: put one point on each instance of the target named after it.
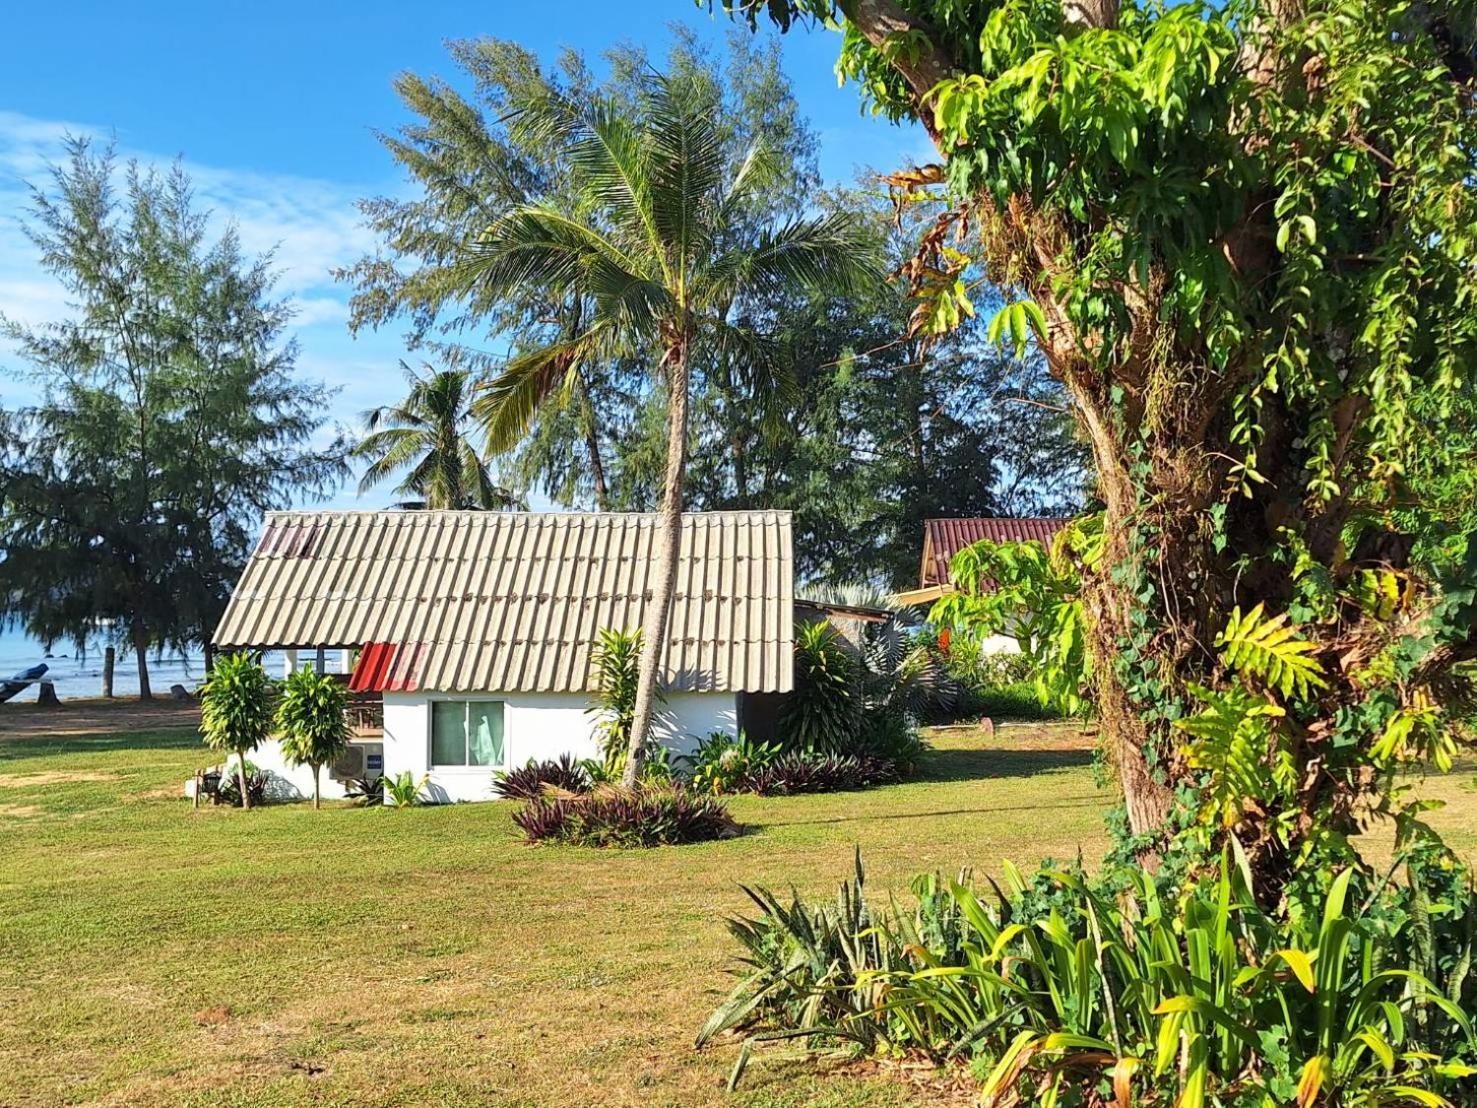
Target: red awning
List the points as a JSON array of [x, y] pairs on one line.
[[388, 667]]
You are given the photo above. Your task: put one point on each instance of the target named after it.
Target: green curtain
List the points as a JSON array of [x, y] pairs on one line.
[[448, 733]]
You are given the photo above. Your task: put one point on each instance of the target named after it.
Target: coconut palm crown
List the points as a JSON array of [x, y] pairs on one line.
[[425, 437], [662, 245]]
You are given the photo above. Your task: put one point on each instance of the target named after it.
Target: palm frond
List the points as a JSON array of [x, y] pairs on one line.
[[686, 168], [829, 254], [505, 407]]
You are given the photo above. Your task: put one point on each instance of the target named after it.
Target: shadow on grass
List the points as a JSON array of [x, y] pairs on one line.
[[985, 765], [49, 746], [1059, 803]]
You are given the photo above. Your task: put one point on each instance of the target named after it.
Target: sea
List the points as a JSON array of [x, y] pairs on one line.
[[79, 673]]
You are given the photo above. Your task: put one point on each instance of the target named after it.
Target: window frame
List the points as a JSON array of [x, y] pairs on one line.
[[465, 702]]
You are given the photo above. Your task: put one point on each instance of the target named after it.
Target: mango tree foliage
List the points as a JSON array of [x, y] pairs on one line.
[[1246, 235]]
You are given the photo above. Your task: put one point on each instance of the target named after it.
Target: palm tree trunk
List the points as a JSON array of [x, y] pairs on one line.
[[668, 540]]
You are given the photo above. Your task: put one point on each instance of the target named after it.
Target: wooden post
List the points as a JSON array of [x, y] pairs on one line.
[[320, 661], [199, 784], [110, 656]]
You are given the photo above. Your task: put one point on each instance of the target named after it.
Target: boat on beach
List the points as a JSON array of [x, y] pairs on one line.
[[22, 680]]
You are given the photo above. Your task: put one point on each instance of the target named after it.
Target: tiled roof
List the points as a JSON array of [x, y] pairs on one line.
[[514, 601], [943, 538]]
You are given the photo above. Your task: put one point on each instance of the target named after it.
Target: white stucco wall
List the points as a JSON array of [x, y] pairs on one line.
[[294, 782], [536, 726]]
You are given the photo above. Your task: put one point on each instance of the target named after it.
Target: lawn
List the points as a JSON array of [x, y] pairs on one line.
[[155, 954]]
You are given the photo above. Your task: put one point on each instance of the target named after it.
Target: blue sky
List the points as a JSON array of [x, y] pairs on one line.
[[272, 108]]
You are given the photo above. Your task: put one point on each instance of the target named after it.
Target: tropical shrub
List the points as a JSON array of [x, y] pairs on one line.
[[236, 711], [1067, 991], [255, 779], [366, 792], [723, 763], [822, 713], [614, 816], [311, 714], [997, 684], [617, 663], [403, 790], [798, 772], [536, 778], [862, 701]]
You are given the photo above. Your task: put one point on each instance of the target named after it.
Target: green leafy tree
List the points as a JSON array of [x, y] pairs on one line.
[[311, 715], [170, 416], [425, 440], [1240, 235], [236, 711], [662, 251]]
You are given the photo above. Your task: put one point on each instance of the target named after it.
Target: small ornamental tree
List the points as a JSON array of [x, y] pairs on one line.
[[311, 717], [1241, 235], [236, 710]]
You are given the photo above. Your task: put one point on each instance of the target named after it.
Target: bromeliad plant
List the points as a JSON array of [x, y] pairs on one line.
[[565, 774], [1067, 992]]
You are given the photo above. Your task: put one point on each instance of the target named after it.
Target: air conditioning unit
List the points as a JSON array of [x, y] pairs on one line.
[[349, 765]]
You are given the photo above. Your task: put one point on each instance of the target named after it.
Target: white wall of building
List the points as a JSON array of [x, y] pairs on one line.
[[536, 727]]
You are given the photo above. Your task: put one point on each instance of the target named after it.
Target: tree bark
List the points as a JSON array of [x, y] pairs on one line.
[[668, 541], [241, 779], [316, 790], [110, 657], [141, 649]]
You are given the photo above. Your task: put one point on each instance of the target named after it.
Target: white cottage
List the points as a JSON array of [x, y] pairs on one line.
[[468, 636]]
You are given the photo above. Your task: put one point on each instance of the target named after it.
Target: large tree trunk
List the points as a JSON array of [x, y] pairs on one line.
[[668, 542], [141, 650]]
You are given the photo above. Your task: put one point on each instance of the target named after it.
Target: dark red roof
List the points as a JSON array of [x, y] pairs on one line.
[[943, 538], [388, 667]]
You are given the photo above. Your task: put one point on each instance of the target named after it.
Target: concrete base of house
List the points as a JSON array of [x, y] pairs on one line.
[[535, 727]]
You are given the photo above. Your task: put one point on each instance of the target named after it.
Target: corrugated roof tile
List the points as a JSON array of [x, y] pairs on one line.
[[943, 538], [505, 601]]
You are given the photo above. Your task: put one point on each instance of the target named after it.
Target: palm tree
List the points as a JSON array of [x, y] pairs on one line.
[[662, 247], [427, 434]]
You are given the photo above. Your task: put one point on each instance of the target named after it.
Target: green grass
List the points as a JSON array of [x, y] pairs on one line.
[[158, 955]]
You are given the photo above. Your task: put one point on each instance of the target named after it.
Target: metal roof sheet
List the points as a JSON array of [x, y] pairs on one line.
[[514, 601], [943, 538]]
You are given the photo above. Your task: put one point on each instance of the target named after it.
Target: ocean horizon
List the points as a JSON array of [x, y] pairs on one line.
[[79, 674]]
